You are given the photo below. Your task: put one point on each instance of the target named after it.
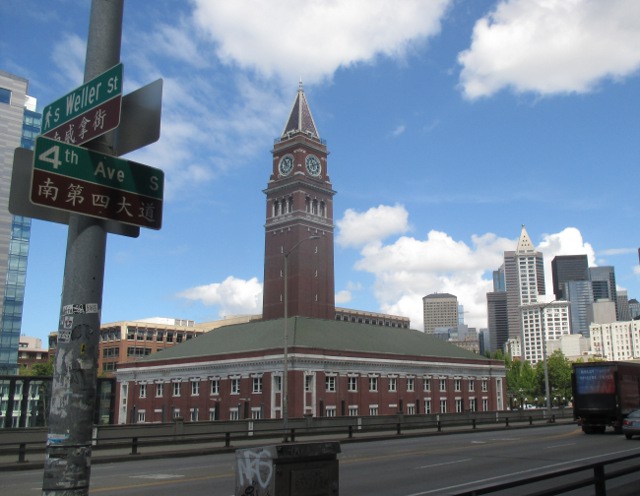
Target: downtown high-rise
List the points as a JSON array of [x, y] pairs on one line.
[[20, 125]]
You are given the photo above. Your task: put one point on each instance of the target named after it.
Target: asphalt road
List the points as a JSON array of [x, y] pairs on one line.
[[434, 465]]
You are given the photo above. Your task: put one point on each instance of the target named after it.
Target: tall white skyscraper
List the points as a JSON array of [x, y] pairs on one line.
[[531, 319]]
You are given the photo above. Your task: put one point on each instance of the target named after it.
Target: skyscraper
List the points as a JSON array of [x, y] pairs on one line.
[[440, 310], [603, 282], [566, 268], [20, 126], [530, 320]]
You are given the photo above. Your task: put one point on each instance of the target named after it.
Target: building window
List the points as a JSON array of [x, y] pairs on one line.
[[177, 386], [142, 416], [195, 388], [473, 404], [472, 385], [459, 405], [330, 383], [485, 385], [443, 385], [308, 383], [411, 409], [457, 385], [411, 384], [257, 384], [277, 383], [331, 411], [176, 413], [194, 414], [427, 406], [212, 414], [485, 405], [373, 410], [143, 390], [426, 385], [235, 386], [256, 413], [233, 413], [443, 406], [5, 96], [353, 411], [215, 386], [393, 384], [352, 384], [373, 383]]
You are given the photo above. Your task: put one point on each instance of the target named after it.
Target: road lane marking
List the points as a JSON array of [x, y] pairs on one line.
[[559, 445], [445, 463], [157, 476]]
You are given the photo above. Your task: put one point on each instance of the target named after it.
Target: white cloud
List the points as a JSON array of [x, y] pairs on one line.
[[551, 46], [398, 131], [290, 39], [359, 229], [233, 296], [408, 268], [69, 55], [343, 297]]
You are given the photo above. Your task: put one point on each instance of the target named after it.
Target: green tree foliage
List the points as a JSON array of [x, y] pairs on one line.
[[559, 367], [39, 369]]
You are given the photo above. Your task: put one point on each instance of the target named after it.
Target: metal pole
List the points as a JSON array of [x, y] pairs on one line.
[[544, 358], [67, 466], [285, 367]]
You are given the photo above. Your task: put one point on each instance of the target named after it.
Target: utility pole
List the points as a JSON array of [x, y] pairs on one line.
[[67, 467]]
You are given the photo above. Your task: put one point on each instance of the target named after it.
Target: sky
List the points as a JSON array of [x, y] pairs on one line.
[[450, 124]]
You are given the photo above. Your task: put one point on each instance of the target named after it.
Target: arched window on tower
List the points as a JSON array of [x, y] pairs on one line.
[[314, 207], [323, 209], [307, 204]]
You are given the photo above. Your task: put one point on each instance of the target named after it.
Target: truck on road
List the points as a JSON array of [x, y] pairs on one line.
[[604, 393]]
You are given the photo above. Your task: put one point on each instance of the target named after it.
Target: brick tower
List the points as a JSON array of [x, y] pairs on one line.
[[299, 206]]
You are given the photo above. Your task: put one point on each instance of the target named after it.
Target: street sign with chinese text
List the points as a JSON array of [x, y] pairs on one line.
[[87, 182], [88, 111]]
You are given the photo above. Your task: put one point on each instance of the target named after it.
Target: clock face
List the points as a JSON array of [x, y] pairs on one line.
[[313, 165], [286, 165]]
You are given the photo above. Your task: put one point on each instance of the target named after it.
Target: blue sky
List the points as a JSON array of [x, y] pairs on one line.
[[450, 124]]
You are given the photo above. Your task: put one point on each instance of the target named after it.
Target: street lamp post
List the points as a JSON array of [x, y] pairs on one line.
[[547, 390], [285, 367]]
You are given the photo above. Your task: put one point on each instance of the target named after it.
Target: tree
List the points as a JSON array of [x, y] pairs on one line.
[[559, 368], [39, 369]]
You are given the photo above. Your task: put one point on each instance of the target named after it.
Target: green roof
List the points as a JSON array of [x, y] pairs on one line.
[[313, 334]]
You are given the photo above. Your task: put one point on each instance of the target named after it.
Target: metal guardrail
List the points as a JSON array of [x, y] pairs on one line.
[[597, 480], [345, 429]]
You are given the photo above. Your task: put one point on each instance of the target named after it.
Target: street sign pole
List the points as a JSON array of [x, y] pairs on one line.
[[67, 467]]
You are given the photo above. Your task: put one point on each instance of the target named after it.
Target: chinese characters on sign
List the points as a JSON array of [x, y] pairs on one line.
[[88, 111], [75, 179]]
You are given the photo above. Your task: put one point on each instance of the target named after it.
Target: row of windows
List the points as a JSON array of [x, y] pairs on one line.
[[331, 410], [330, 385]]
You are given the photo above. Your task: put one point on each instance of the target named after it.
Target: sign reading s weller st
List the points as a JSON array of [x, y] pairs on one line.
[[83, 181], [88, 111]]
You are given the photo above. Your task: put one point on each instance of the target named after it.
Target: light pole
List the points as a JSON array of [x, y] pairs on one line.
[[285, 355], [547, 390]]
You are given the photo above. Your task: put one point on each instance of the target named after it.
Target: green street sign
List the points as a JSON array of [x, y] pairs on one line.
[[84, 181], [83, 99]]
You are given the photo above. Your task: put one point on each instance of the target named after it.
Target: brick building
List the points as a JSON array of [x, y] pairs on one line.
[[335, 366], [335, 369]]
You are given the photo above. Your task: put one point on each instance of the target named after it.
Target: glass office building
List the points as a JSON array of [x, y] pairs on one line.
[[21, 124]]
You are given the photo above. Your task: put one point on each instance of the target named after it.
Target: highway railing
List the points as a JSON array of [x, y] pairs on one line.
[[594, 475], [18, 445]]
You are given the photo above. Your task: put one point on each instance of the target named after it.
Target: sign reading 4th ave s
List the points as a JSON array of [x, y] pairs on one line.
[[87, 112], [86, 182]]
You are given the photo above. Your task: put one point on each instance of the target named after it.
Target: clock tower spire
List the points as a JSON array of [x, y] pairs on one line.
[[299, 207]]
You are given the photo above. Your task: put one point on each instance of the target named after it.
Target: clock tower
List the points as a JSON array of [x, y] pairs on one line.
[[299, 223]]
